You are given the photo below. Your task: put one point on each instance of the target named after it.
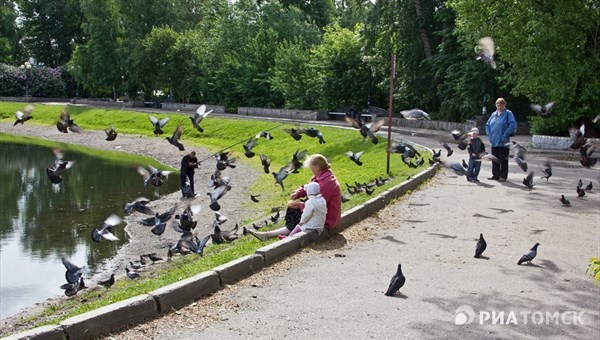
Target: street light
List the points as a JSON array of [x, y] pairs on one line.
[[27, 67]]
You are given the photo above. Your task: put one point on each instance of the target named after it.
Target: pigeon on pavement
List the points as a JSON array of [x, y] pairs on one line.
[[529, 255], [396, 283]]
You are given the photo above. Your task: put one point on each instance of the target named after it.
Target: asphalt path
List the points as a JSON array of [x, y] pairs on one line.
[[334, 290]]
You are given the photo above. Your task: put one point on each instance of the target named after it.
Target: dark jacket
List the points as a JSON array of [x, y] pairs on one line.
[[475, 146], [188, 164]]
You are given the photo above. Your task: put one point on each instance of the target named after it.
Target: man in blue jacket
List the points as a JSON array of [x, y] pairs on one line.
[[498, 128]]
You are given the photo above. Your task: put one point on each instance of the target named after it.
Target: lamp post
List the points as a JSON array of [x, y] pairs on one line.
[[368, 60], [27, 67]]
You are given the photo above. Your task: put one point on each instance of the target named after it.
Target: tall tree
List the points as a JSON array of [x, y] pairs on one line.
[[51, 29], [549, 51], [98, 64], [8, 33]]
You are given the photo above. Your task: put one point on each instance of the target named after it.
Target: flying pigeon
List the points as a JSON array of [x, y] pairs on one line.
[[529, 255], [577, 137], [200, 114], [225, 160], [65, 123], [153, 175], [248, 146], [585, 154], [106, 231], [314, 133], [25, 115], [264, 134], [481, 245], [266, 162], [174, 140], [139, 205], [355, 157], [111, 133], [415, 114], [547, 170], [457, 168], [485, 51], [294, 133], [367, 130], [55, 170], [543, 110], [396, 283], [73, 272], [186, 219], [296, 162], [131, 274], [488, 157], [254, 198], [158, 124], [449, 150], [282, 174], [565, 202], [528, 181], [216, 195]]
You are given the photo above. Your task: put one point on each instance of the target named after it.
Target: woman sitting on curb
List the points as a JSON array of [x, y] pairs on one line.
[[330, 190]]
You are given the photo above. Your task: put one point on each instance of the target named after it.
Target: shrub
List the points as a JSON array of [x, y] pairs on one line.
[[39, 81], [12, 81]]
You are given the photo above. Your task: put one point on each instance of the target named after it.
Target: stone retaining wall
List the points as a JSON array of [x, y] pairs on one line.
[[283, 113]]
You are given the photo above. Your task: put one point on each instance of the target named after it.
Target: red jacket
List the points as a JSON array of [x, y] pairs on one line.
[[331, 192]]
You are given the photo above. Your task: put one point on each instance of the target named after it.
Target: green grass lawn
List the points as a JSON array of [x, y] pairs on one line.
[[220, 134]]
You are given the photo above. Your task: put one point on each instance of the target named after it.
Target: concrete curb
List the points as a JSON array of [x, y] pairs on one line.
[[138, 309]]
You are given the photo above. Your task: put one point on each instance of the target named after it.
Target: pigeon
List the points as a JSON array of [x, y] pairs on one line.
[[275, 218], [200, 114], [266, 162], [521, 163], [589, 187], [186, 219], [105, 233], [174, 140], [65, 122], [565, 202], [488, 157], [131, 274], [139, 205], [135, 266], [217, 179], [153, 257], [73, 272], [71, 289], [264, 134], [529, 255], [55, 170], [481, 245], [437, 155], [220, 218], [528, 181], [579, 184], [294, 133], [370, 129], [355, 157], [254, 198], [142, 261], [216, 195], [464, 164], [225, 160], [248, 146], [415, 114], [547, 170], [296, 162], [153, 175], [449, 150], [158, 124], [580, 192], [485, 51], [111, 133], [585, 153], [577, 137], [108, 282], [314, 133], [25, 115], [459, 135], [396, 283], [543, 110], [282, 174]]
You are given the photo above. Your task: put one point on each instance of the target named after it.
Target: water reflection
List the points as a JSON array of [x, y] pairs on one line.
[[41, 222]]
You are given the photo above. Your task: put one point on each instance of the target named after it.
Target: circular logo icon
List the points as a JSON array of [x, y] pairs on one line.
[[464, 315]]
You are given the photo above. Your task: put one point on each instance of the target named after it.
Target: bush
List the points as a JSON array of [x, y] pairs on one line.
[[12, 81], [39, 81]]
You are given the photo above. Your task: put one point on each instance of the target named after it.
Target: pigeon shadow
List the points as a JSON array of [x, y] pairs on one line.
[[442, 235], [548, 264], [481, 257], [418, 204], [413, 221], [537, 231], [513, 185], [485, 185], [527, 264], [392, 239], [502, 211], [483, 216]]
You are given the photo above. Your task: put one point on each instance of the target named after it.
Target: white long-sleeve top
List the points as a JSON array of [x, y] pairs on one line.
[[313, 215]]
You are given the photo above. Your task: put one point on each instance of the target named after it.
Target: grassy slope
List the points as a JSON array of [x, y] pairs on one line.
[[220, 133]]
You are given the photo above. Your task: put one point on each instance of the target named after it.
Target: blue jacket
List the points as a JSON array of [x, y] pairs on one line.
[[499, 127]]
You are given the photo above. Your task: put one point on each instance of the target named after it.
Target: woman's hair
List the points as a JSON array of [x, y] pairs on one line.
[[501, 100], [317, 160]]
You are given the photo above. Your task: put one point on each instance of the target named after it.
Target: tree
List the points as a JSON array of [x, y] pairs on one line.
[[547, 49], [8, 33], [51, 29], [97, 64]]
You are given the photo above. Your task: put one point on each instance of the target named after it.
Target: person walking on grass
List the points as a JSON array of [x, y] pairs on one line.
[[499, 127]]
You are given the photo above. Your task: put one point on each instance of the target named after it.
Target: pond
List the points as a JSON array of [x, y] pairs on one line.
[[41, 222]]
